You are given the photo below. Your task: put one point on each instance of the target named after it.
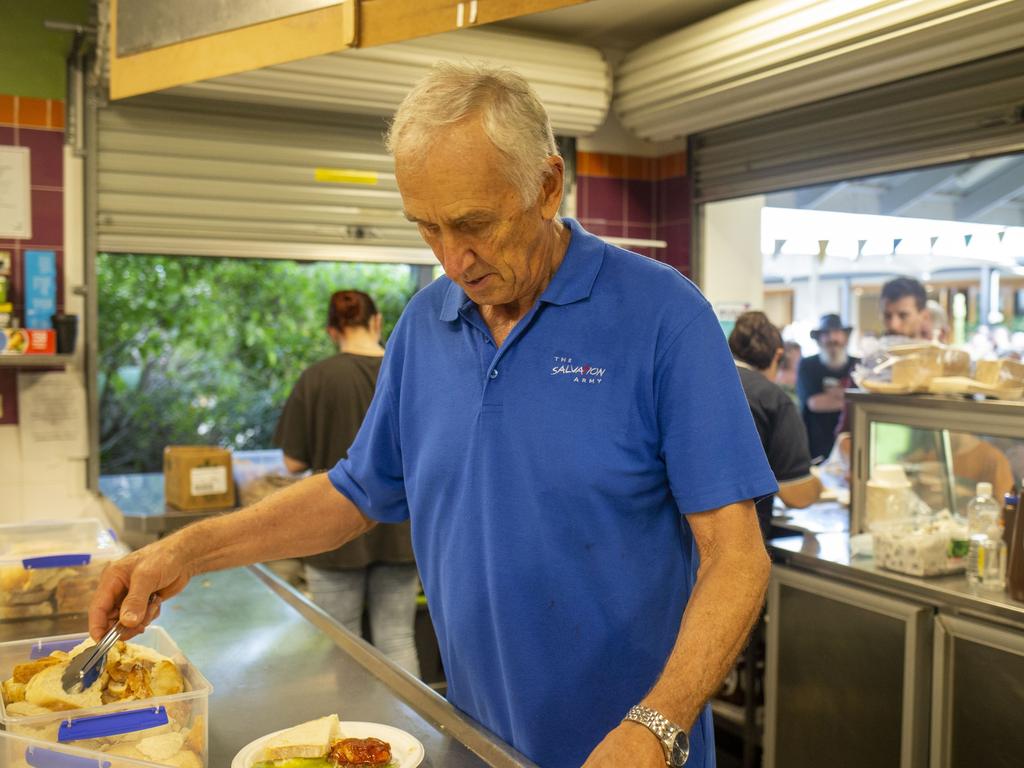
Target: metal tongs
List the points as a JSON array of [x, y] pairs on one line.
[[86, 666]]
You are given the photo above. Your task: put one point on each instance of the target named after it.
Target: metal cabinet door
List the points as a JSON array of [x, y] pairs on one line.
[[978, 695], [847, 678]]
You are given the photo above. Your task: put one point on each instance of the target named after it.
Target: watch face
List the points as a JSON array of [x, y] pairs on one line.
[[680, 751]]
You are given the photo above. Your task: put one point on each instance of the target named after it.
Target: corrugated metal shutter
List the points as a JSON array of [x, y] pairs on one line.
[[767, 55], [970, 111], [573, 81], [174, 177]]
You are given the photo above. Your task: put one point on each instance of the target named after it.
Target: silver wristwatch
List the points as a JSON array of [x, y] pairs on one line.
[[673, 738]]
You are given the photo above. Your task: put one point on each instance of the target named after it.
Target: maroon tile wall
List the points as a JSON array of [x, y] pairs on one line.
[[39, 125], [637, 197]]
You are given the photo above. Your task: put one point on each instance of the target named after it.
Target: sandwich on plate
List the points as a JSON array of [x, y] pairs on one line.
[[320, 744]]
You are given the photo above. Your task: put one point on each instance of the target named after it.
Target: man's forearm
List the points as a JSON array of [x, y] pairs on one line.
[[303, 519], [723, 607]]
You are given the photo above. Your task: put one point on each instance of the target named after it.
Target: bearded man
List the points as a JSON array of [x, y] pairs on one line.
[[821, 381]]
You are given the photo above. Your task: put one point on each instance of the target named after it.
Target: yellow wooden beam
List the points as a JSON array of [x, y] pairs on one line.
[[353, 23], [260, 45], [389, 21]]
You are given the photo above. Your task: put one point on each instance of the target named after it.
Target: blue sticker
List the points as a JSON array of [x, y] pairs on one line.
[[40, 288]]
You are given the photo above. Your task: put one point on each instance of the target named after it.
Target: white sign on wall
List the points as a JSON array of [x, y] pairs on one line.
[[15, 195]]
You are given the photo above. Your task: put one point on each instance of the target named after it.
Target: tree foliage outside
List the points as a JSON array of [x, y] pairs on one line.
[[205, 351]]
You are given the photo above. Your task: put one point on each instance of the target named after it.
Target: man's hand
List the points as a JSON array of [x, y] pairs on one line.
[[134, 587], [628, 744]]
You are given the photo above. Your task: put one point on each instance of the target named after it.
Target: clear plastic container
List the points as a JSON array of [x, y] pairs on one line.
[[167, 730], [52, 568], [21, 752]]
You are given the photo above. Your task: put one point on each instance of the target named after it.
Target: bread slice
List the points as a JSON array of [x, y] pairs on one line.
[[312, 740]]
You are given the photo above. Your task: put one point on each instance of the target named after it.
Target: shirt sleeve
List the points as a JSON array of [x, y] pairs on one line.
[[808, 383], [712, 452], [372, 475], [290, 435], [788, 451]]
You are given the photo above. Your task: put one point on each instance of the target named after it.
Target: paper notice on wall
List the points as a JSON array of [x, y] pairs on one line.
[[52, 416], [15, 193]]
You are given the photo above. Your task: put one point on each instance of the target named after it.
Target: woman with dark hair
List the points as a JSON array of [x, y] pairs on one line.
[[757, 348], [319, 422]]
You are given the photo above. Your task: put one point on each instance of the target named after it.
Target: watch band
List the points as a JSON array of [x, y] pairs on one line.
[[663, 728]]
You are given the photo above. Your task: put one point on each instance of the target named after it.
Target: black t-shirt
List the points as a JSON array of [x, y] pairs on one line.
[[319, 422], [810, 381], [782, 434]]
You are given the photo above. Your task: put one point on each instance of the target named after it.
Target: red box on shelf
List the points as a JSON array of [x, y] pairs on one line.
[[41, 342]]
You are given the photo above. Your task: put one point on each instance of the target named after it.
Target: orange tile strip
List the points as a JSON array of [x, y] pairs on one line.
[[630, 166], [27, 112]]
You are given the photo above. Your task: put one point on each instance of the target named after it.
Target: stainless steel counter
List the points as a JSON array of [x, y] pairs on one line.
[[276, 660], [139, 506], [828, 554]]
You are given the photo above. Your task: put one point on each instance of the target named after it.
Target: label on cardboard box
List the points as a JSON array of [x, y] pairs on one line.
[[208, 481]]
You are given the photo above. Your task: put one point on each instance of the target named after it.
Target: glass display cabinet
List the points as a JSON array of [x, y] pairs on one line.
[[946, 446]]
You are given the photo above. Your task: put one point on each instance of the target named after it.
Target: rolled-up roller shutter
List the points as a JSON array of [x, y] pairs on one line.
[[971, 111], [175, 177], [573, 81], [770, 55]]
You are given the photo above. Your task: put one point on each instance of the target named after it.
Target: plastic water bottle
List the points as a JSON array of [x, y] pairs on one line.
[[983, 514], [992, 559]]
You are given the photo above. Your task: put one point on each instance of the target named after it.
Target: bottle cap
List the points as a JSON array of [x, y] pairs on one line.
[[984, 489]]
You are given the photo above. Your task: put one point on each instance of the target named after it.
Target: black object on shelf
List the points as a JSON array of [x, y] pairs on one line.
[[66, 327]]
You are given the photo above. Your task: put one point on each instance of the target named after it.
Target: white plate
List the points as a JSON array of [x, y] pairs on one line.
[[405, 747]]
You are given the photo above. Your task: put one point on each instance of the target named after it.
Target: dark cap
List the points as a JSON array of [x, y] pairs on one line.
[[829, 323]]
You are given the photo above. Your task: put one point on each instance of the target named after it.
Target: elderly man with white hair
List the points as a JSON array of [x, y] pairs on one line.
[[562, 422]]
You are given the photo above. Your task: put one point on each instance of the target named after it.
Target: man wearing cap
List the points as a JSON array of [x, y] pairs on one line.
[[821, 381]]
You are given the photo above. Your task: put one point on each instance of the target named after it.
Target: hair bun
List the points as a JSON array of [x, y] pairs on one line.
[[350, 308]]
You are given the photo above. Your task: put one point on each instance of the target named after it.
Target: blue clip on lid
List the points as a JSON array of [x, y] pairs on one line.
[[39, 650], [38, 757], [114, 724], [57, 561]]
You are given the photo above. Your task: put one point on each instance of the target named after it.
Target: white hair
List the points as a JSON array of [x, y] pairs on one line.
[[511, 114]]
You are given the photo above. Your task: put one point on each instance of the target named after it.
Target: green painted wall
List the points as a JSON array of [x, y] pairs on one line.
[[31, 57]]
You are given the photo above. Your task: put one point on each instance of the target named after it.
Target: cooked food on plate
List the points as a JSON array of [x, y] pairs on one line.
[[321, 744]]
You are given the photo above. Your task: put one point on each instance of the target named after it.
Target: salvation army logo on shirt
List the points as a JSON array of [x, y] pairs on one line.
[[577, 371]]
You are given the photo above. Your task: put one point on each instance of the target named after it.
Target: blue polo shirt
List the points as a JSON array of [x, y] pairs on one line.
[[545, 481]]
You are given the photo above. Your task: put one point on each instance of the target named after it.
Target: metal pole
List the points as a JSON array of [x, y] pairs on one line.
[[984, 295], [91, 334]]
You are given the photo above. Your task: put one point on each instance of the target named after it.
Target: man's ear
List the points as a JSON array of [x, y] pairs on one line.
[[552, 187]]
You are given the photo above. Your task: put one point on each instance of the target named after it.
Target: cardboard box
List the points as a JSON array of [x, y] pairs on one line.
[[198, 477]]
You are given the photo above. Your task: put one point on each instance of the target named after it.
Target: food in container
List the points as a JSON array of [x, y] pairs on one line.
[[52, 568], [909, 368], [149, 703]]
